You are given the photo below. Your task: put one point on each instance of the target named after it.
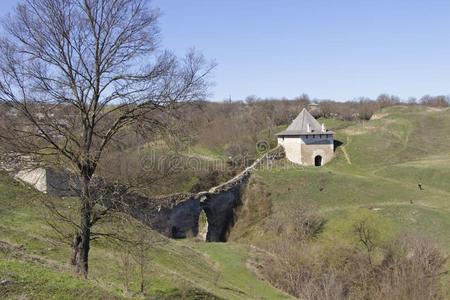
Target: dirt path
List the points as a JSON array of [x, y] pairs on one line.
[[380, 205], [347, 157]]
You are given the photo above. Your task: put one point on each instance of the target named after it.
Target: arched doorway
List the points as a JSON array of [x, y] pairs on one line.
[[318, 161]]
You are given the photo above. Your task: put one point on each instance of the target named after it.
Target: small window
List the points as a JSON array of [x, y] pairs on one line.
[[314, 136]]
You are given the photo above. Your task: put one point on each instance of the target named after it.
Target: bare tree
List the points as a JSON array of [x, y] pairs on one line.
[[78, 72], [140, 254], [139, 242], [125, 270], [366, 238], [435, 101]]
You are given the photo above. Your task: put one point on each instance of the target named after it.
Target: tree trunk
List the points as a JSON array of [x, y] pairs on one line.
[[85, 230], [142, 274], [76, 252], [85, 234]]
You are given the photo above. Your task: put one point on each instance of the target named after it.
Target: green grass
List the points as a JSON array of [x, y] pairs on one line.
[[389, 156], [25, 280], [205, 152], [230, 261], [187, 269]]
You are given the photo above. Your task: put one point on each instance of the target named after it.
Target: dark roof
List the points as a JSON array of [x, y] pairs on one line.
[[300, 125]]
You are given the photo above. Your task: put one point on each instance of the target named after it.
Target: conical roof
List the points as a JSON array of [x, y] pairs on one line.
[[305, 123]]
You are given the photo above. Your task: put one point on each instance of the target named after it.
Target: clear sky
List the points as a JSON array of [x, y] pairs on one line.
[[339, 49]]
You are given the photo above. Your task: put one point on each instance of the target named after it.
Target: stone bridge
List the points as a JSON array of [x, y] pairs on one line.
[[177, 216]]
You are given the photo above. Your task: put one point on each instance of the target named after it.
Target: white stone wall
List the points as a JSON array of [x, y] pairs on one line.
[[292, 148], [49, 181], [302, 150], [35, 177]]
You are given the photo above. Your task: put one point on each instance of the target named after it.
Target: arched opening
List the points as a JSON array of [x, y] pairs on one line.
[[318, 161]]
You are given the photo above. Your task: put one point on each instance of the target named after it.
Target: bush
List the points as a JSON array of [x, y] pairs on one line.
[[407, 267]]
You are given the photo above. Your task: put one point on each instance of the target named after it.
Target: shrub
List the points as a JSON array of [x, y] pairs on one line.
[[407, 267]]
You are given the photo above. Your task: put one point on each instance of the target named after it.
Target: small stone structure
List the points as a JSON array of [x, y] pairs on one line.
[[306, 141], [45, 179], [49, 181]]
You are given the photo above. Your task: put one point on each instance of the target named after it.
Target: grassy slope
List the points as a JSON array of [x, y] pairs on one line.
[[31, 281], [389, 156], [180, 269]]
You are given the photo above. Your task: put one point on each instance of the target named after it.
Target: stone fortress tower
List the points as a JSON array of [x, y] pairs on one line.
[[306, 141]]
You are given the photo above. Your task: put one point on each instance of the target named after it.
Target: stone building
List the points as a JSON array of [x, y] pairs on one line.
[[306, 141], [50, 181]]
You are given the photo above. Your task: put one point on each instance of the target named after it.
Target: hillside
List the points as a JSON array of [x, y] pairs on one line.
[[35, 262], [375, 176]]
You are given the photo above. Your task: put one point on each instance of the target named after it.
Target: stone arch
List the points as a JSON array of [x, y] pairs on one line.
[[220, 209]]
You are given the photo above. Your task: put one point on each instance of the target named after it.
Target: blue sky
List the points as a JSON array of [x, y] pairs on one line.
[[337, 49]]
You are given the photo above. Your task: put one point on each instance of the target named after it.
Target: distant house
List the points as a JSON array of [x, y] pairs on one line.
[[314, 107], [306, 141]]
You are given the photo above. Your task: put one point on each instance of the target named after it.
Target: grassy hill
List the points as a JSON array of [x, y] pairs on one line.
[[37, 266], [375, 175]]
